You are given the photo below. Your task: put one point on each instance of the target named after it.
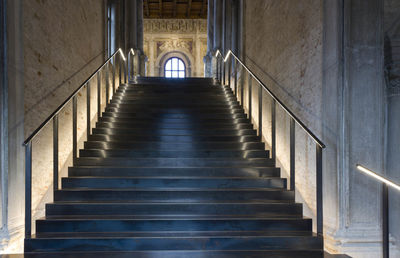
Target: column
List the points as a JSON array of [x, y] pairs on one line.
[[134, 34], [354, 117], [210, 39]]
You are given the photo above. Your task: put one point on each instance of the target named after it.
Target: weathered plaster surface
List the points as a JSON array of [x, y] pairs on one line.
[[61, 44], [60, 52], [338, 95], [285, 51]]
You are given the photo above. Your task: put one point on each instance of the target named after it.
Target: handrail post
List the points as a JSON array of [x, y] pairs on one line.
[[55, 152], [133, 65], [224, 72], [273, 130], [98, 96], [241, 89], [88, 119], [216, 69], [250, 95], [219, 69], [113, 73], [385, 220], [107, 84], [229, 71], [320, 213], [120, 70], [235, 77], [128, 62], [74, 130], [126, 72], [28, 190], [260, 111], [292, 155]]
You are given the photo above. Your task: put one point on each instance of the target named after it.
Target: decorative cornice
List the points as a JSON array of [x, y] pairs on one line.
[[175, 26]]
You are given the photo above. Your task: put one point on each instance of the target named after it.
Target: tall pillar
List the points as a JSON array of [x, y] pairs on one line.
[[354, 106], [217, 35], [217, 24], [134, 34], [227, 33], [235, 18], [210, 39]]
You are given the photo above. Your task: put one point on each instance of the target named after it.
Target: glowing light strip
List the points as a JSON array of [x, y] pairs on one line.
[[122, 54], [378, 177], [218, 52], [132, 51], [227, 56]]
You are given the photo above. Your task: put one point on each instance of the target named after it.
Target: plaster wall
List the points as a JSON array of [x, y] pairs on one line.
[[392, 69], [323, 59], [56, 46], [285, 52]]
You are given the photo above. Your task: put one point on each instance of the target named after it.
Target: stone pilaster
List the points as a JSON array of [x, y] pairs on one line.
[[134, 34], [210, 39]]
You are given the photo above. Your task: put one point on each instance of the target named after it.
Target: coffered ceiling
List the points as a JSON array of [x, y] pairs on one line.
[[182, 9]]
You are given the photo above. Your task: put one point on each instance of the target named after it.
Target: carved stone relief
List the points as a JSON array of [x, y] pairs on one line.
[[175, 25], [175, 44]]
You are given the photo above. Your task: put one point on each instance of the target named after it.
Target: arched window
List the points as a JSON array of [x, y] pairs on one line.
[[174, 68]]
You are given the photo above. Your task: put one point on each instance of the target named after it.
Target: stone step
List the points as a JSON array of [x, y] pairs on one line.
[[176, 126], [173, 172], [172, 153], [185, 254], [248, 208], [176, 146], [173, 195], [174, 183], [172, 132], [188, 117], [174, 162], [157, 241], [174, 138], [180, 224]]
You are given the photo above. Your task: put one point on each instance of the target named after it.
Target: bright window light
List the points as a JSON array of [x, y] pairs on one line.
[[175, 68]]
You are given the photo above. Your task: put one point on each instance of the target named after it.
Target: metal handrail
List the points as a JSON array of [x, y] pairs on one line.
[[385, 205], [123, 74], [290, 113], [48, 119], [221, 77]]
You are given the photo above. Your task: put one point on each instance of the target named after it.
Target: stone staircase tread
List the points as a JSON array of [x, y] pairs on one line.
[[180, 189], [175, 166], [170, 218], [173, 217], [180, 234]]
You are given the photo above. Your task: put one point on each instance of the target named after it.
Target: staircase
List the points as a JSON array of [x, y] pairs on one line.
[[175, 169]]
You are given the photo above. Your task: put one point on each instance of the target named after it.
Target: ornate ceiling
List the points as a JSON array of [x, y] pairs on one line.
[[181, 9]]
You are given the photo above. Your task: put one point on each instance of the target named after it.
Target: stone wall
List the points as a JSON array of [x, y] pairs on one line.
[[392, 80], [324, 60], [56, 46], [285, 52], [184, 38]]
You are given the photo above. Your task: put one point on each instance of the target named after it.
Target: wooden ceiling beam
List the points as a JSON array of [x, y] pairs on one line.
[[189, 8], [203, 8], [174, 8], [147, 7], [160, 8]]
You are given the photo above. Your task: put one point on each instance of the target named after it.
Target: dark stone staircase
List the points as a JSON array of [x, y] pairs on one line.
[[174, 168]]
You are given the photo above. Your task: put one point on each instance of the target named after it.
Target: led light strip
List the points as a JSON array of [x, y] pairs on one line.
[[122, 53], [376, 176]]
